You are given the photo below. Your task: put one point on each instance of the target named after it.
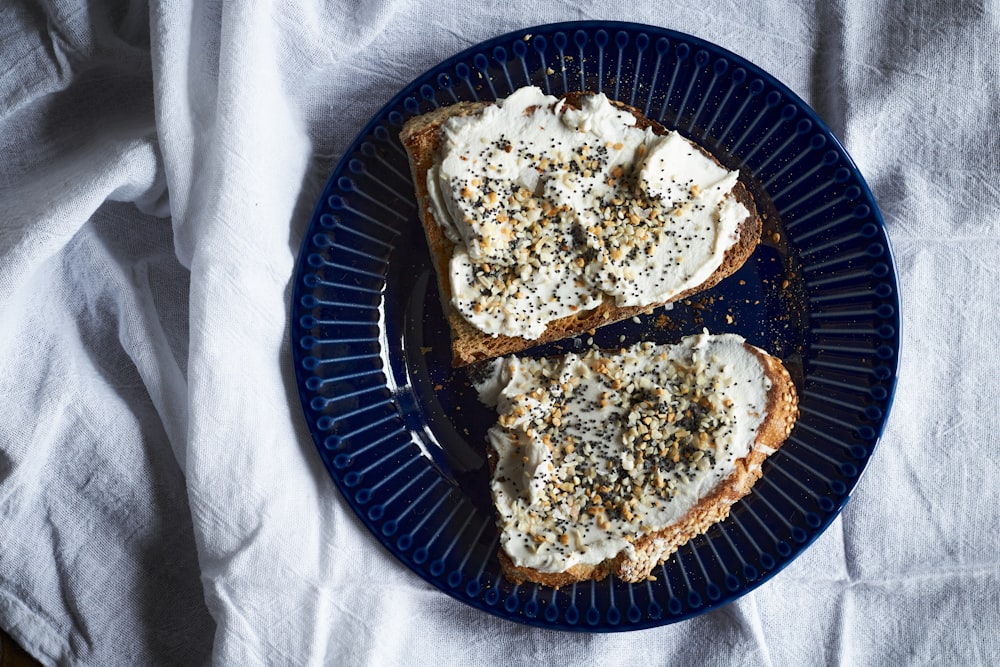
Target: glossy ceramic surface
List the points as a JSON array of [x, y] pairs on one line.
[[402, 434]]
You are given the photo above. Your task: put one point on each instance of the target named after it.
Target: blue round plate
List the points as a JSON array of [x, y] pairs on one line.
[[403, 435]]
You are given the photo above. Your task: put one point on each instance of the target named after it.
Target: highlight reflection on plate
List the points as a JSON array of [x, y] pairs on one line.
[[403, 435]]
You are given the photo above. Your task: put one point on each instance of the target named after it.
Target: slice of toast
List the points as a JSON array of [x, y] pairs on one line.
[[621, 498], [422, 136]]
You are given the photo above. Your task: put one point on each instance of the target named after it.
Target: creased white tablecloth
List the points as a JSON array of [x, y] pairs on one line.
[[160, 498]]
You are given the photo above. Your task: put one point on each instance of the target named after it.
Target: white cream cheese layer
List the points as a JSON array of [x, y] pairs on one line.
[[596, 449], [551, 208]]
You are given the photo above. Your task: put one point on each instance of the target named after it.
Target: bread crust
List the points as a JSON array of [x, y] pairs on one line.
[[421, 136], [655, 547]]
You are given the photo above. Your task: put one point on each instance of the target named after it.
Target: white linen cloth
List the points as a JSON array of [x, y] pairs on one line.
[[161, 501]]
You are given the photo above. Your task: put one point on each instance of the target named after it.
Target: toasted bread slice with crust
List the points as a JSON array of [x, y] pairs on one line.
[[422, 137], [653, 548]]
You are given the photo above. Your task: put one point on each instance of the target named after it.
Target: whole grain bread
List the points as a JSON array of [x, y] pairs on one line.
[[655, 547], [421, 136]]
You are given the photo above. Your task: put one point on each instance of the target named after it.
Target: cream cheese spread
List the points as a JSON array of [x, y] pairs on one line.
[[551, 208], [596, 449]]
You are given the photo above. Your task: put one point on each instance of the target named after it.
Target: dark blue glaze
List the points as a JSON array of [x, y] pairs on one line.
[[402, 434]]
